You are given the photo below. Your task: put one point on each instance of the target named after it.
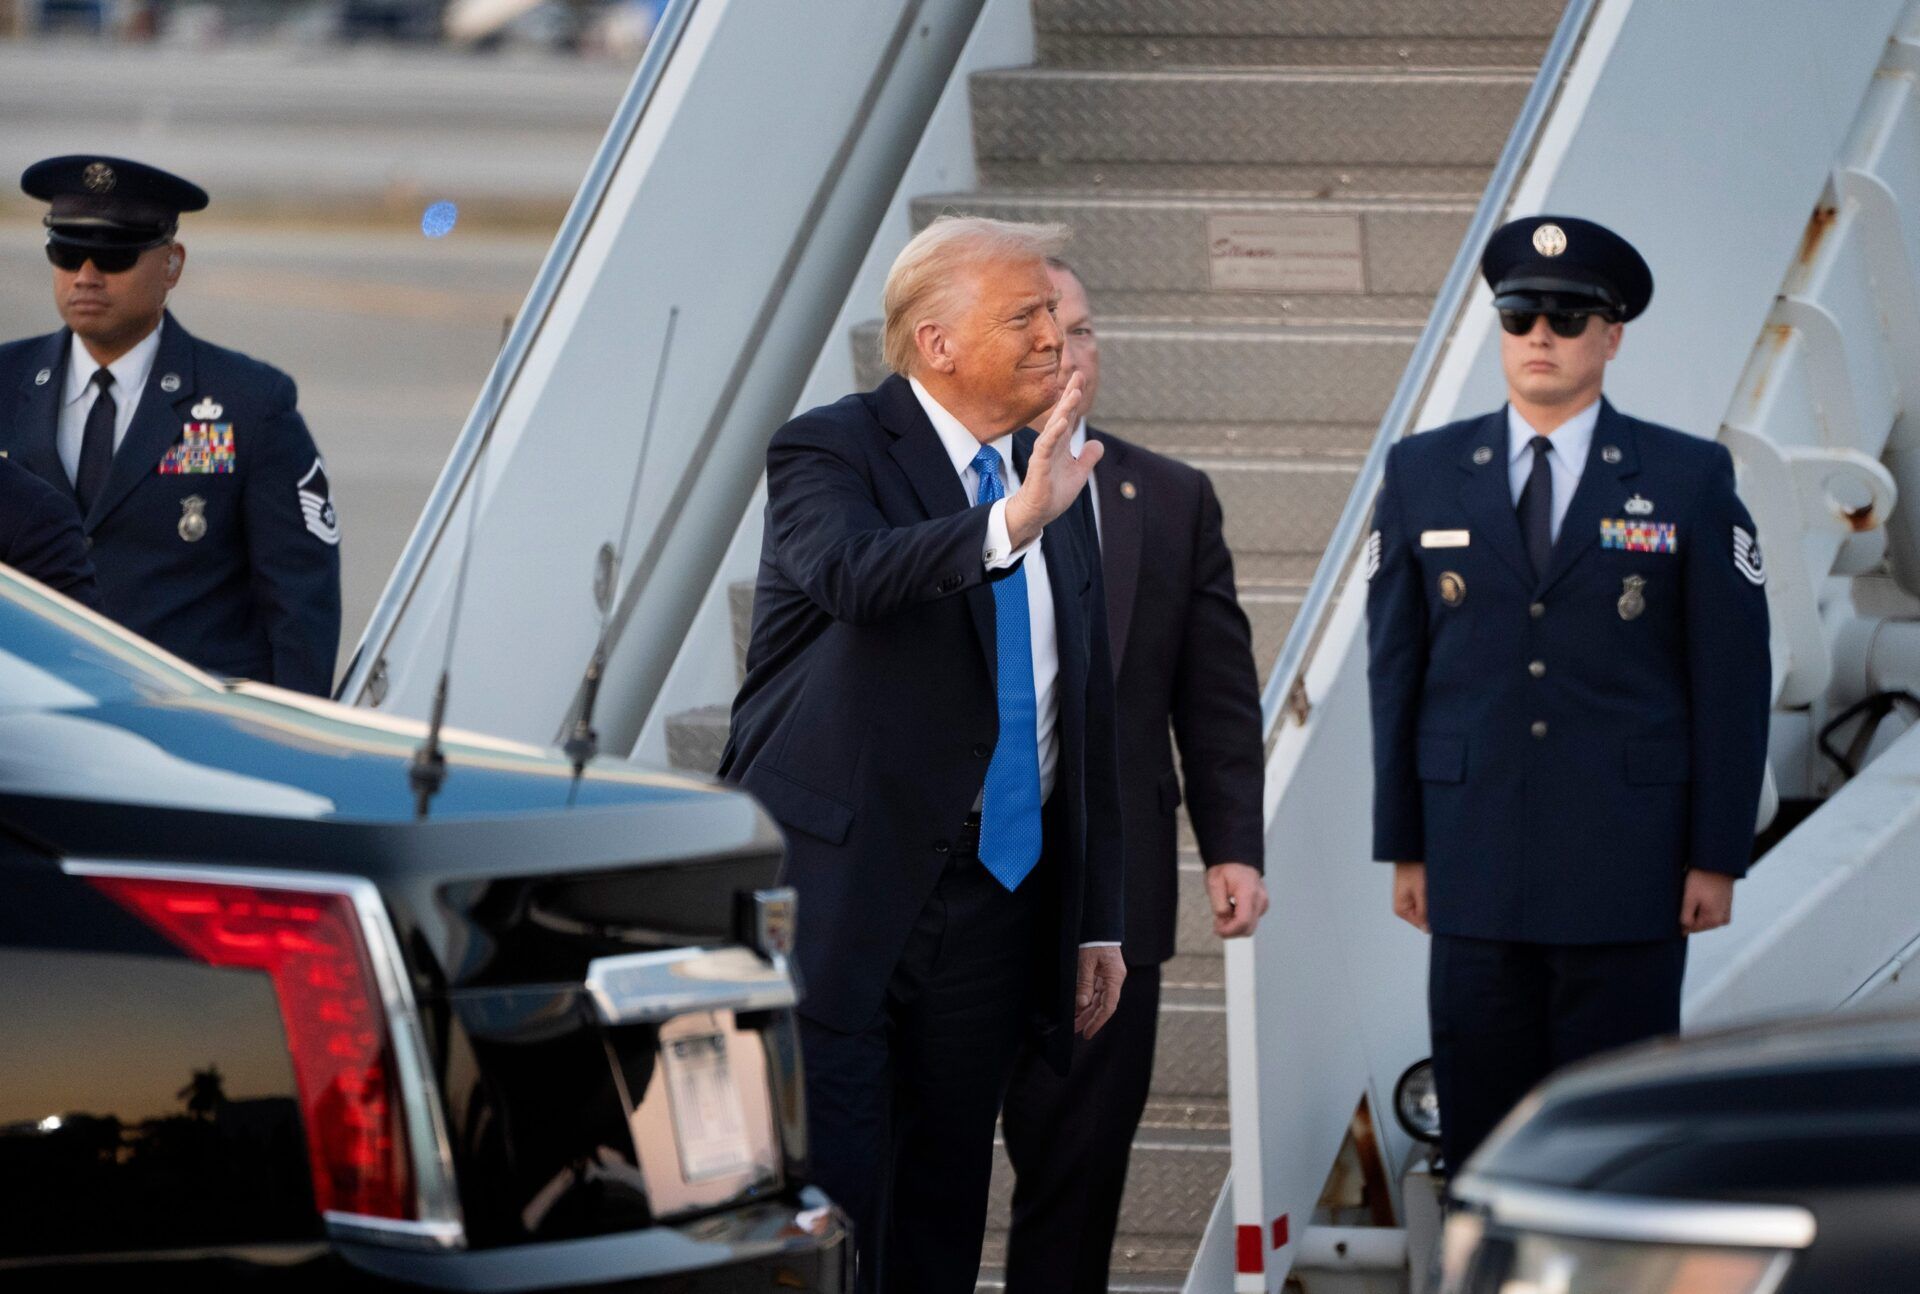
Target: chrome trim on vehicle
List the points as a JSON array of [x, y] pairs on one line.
[[1303, 636], [1597, 1216], [646, 988], [437, 1202]]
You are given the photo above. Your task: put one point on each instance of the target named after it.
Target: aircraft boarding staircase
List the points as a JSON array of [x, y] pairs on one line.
[[1270, 197]]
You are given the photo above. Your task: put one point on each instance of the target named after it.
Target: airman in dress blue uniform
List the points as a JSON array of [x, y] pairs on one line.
[[1570, 684], [205, 504]]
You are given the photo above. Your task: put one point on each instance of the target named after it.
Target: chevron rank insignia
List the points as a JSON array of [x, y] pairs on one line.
[[203, 447], [1373, 554], [1746, 556], [1640, 536], [316, 505]]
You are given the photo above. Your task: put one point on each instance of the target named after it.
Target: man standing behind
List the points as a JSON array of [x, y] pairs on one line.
[[203, 499], [1184, 670], [40, 534], [1570, 683], [928, 711]]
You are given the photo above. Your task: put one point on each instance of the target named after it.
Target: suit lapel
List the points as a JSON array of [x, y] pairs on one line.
[[923, 459], [1122, 534], [1487, 495], [1599, 484], [36, 418], [157, 421]]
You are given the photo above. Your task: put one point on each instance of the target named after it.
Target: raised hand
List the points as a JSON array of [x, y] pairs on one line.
[[1054, 476]]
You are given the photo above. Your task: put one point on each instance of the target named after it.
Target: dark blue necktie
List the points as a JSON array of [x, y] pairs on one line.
[[96, 443], [1536, 509], [1010, 803]]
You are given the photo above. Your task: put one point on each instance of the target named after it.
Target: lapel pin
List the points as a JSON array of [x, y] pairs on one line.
[[1632, 602], [207, 410], [43, 377], [170, 383], [1453, 589], [1611, 454], [1127, 490], [1638, 507], [1482, 456], [193, 518]]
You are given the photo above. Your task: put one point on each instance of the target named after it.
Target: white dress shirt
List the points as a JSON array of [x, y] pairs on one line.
[[961, 445], [1566, 460], [130, 373]]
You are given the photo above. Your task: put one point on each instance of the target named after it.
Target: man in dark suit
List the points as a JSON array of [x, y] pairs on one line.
[[928, 711], [1569, 672], [205, 504], [1183, 670], [40, 534]]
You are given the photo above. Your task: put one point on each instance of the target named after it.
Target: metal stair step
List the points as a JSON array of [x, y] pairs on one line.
[[1191, 1056], [1140, 1264], [1301, 18], [1279, 506], [696, 738], [1167, 372], [1148, 253], [1272, 117], [1165, 50], [1173, 1178], [1188, 440]]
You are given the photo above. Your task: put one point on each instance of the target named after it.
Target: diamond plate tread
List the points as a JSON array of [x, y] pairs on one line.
[[1285, 506], [1536, 18], [1148, 243], [1316, 180], [1209, 307], [1168, 372], [1073, 49], [1264, 116], [1183, 439], [1191, 1056], [1140, 1264], [1173, 1178], [1199, 972], [696, 738]]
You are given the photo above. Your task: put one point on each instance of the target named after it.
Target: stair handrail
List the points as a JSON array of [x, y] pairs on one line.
[[1285, 692], [527, 323]]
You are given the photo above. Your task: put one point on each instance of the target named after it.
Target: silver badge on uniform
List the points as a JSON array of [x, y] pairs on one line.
[[1611, 454], [1550, 240], [43, 377], [193, 518], [316, 504], [1638, 507], [1483, 455], [207, 410], [170, 383], [1632, 600]]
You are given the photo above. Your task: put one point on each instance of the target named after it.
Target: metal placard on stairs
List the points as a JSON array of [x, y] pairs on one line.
[[1285, 252]]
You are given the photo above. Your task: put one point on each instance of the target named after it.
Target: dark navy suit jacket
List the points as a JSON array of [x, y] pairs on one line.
[[1183, 669], [40, 534], [252, 589], [1559, 751], [869, 711]]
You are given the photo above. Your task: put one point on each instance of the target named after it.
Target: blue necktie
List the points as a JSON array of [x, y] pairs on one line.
[[1536, 509], [1010, 806]]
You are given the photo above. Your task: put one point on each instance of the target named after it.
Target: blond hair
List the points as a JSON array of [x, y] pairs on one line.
[[925, 281]]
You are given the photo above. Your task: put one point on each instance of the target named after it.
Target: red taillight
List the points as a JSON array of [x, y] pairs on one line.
[[311, 947]]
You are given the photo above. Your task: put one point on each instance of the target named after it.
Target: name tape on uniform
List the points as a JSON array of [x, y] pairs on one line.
[[1445, 538]]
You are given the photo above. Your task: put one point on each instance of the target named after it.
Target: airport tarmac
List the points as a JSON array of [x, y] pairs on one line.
[[388, 334]]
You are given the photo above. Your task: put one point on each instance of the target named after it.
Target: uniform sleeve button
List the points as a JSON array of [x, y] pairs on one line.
[[1538, 669], [1537, 610], [1539, 727]]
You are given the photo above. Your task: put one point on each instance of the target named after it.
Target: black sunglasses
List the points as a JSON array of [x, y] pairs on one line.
[[1565, 323], [108, 260]]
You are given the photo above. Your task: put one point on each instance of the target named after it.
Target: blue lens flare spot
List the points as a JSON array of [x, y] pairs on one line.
[[438, 220]]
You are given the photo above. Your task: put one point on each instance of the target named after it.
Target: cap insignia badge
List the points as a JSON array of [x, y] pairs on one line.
[[1482, 456], [193, 518], [99, 178], [170, 383], [1632, 603], [1611, 454], [1453, 589], [1550, 240], [207, 411], [1638, 507]]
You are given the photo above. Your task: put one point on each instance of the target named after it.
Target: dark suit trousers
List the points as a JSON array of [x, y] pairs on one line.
[[1505, 1015], [1069, 1138], [901, 1113]]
